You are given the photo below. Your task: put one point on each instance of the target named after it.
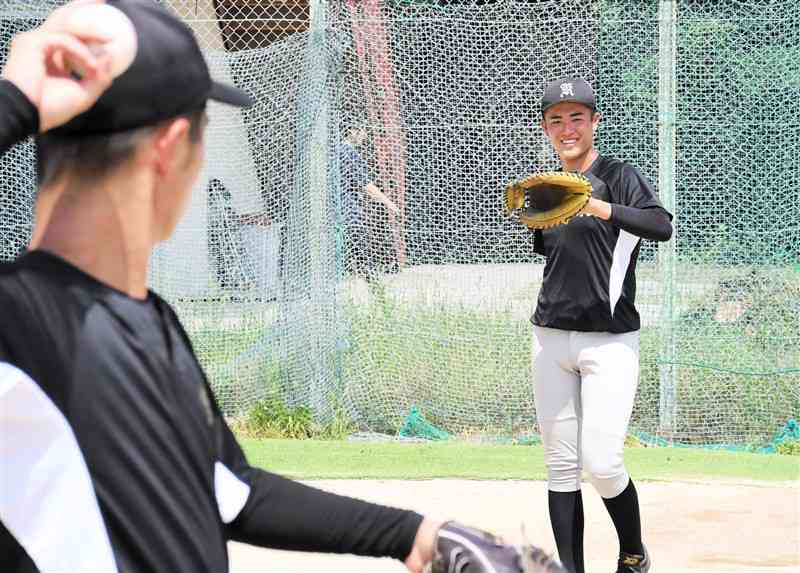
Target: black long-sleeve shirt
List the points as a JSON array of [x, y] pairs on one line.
[[590, 274], [20, 118], [653, 223], [115, 456]]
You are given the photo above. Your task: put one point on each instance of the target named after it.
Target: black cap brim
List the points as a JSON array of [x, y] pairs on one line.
[[229, 95], [591, 106]]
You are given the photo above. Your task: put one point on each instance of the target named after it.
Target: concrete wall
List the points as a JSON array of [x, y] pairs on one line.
[[181, 266]]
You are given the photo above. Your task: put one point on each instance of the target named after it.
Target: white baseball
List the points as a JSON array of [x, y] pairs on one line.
[[108, 23]]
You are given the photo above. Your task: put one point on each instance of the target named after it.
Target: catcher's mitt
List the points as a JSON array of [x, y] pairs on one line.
[[461, 549], [547, 199]]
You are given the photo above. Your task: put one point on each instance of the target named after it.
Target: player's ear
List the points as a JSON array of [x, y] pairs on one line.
[[596, 117], [169, 139]]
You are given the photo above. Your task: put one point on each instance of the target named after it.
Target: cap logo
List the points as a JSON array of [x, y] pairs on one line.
[[567, 90]]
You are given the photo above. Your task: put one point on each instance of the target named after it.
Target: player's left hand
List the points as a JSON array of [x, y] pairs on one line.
[[422, 550], [56, 70], [597, 208], [465, 549]]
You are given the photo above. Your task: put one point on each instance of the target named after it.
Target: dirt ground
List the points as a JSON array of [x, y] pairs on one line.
[[688, 527]]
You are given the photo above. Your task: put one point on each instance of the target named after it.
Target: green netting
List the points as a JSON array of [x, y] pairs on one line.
[[416, 426], [700, 95]]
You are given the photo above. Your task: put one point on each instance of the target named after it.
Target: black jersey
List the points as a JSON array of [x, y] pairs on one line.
[[115, 456], [589, 278]]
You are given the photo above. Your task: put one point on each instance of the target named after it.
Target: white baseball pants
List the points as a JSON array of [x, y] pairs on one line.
[[584, 385]]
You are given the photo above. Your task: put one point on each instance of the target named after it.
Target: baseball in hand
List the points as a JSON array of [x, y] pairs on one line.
[[108, 22]]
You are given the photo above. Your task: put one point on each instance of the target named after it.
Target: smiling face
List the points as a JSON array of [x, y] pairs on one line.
[[570, 127]]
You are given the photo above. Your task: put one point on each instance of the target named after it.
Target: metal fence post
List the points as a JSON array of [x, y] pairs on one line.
[[667, 53]]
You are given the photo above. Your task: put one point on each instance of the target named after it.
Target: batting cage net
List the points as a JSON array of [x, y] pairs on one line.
[[407, 311]]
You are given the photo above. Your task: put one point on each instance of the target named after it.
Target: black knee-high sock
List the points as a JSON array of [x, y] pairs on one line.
[[566, 517], [624, 512]]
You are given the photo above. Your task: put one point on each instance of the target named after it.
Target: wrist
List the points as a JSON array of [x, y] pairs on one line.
[[424, 543], [18, 85], [599, 208]]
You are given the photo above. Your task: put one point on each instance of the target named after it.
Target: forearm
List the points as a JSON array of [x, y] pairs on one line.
[[650, 223], [653, 224], [284, 514], [377, 195], [20, 117]]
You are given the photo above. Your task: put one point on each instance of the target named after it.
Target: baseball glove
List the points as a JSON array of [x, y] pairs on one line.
[[461, 549], [547, 199]]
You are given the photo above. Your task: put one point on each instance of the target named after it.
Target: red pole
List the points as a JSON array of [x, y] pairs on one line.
[[371, 43]]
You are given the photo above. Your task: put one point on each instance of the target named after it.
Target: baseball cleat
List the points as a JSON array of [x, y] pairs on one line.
[[632, 563]]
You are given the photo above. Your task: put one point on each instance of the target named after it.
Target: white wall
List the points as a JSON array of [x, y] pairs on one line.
[[180, 267]]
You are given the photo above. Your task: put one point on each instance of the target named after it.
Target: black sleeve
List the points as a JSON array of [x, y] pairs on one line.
[[635, 207], [652, 223], [20, 116], [284, 514]]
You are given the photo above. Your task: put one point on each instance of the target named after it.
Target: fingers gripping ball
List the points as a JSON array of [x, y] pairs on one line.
[[110, 24], [461, 549], [547, 199]]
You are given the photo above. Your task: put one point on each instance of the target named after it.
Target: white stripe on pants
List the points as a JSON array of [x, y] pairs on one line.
[[584, 387]]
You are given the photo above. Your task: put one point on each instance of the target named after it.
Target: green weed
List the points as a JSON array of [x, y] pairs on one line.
[[789, 448], [271, 418]]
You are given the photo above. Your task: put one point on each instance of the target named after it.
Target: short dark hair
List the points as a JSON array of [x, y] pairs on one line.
[[95, 156]]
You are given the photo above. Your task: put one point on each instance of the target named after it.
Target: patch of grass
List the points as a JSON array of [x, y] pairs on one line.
[[241, 363], [466, 370], [469, 372], [789, 448], [215, 346], [633, 442], [312, 459], [272, 419]]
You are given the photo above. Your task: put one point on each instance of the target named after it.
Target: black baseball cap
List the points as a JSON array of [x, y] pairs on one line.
[[571, 88], [169, 77]]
